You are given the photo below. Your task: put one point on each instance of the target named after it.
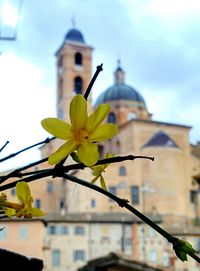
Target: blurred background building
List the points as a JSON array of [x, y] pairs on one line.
[[81, 225]]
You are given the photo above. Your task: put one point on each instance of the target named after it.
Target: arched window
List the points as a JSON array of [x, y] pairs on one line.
[[62, 204], [78, 59], [50, 186], [122, 171], [38, 203], [13, 191], [78, 85], [112, 117]]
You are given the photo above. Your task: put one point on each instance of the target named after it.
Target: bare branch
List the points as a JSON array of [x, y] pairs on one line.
[[98, 70], [47, 140]]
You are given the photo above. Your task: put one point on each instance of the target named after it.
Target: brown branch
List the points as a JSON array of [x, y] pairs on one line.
[[37, 174], [124, 203], [98, 70]]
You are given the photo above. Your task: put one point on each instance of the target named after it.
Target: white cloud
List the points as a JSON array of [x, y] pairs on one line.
[[158, 43], [9, 14], [172, 9], [25, 101]]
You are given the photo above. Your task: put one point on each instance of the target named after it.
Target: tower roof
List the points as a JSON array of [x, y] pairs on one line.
[[120, 90], [74, 35]]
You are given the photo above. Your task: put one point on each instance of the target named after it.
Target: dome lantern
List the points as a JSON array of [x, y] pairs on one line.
[[120, 91], [119, 75], [126, 102]]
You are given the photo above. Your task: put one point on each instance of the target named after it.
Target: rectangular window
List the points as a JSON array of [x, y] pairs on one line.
[[135, 194], [56, 257], [128, 243], [62, 204], [38, 203], [64, 230], [153, 256], [13, 191], [128, 230], [51, 230], [122, 171], [23, 232], [193, 196], [112, 190], [50, 186], [93, 203], [166, 259], [3, 233], [79, 255], [152, 232], [79, 230]]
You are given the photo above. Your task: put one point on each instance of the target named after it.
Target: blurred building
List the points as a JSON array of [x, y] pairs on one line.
[[82, 225]]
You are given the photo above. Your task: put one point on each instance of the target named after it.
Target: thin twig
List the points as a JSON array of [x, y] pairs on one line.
[[18, 173], [47, 140], [40, 175], [98, 70], [4, 145]]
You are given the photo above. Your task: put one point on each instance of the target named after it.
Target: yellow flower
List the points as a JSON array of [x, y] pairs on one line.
[[82, 134], [24, 208], [98, 170]]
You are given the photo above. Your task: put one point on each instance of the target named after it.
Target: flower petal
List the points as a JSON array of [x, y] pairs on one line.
[[97, 170], [94, 179], [37, 212], [78, 112], [57, 127], [104, 132], [97, 117], [23, 192], [62, 152], [9, 212], [102, 182], [88, 153]]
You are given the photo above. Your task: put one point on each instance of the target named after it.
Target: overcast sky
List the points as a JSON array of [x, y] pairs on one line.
[[158, 42]]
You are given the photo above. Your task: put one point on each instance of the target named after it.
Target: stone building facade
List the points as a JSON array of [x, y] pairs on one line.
[[150, 186], [167, 188]]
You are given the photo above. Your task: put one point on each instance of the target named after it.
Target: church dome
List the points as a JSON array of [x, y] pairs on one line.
[[120, 91], [74, 35]]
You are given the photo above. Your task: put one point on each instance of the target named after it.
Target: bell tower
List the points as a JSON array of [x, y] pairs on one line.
[[74, 64]]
